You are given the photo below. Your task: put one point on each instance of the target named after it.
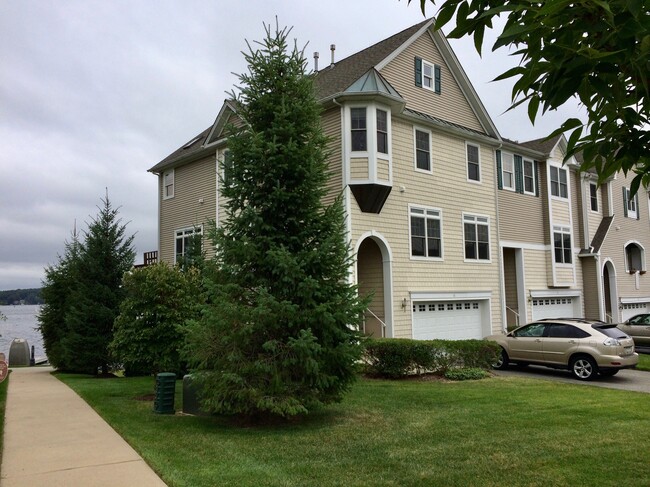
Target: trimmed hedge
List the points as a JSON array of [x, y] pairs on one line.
[[399, 357]]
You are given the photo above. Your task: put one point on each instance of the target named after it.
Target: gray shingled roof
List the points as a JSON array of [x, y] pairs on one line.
[[543, 145], [192, 145], [338, 77]]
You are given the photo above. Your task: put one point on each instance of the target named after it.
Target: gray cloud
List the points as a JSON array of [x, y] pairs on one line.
[[93, 93]]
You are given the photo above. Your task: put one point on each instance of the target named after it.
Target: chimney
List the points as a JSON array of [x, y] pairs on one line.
[[316, 62], [332, 48]]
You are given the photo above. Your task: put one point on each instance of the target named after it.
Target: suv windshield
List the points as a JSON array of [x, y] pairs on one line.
[[610, 330]]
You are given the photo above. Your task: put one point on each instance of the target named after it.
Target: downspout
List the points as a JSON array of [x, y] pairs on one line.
[[352, 277]]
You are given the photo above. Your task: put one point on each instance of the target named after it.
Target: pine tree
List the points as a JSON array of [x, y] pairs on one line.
[[276, 338], [106, 255], [58, 286]]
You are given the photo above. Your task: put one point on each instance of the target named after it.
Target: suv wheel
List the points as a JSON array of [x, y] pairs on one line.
[[502, 361], [583, 367]]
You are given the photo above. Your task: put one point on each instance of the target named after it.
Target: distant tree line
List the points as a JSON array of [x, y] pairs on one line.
[[21, 296]]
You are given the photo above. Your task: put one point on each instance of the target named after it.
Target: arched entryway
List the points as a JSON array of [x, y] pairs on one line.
[[609, 293], [373, 278]]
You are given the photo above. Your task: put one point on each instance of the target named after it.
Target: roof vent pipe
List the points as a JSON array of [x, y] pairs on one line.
[[316, 62], [333, 48]]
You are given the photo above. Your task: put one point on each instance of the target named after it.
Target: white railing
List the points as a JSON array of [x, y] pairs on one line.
[[383, 325], [509, 309]]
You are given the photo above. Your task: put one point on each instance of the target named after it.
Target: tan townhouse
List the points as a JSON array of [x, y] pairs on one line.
[[456, 232]]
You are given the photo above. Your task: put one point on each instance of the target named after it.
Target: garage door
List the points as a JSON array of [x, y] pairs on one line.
[[631, 309], [553, 308], [449, 320]]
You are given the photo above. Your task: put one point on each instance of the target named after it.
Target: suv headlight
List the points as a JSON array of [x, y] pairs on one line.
[[612, 342]]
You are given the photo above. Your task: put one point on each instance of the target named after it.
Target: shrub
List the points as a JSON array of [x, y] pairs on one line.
[[399, 357], [466, 373]]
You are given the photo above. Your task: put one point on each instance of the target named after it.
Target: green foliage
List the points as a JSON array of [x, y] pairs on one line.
[[148, 333], [275, 337], [82, 295], [466, 373], [597, 52], [397, 358], [61, 280]]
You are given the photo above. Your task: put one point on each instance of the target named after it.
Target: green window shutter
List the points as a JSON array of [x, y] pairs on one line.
[[536, 167], [499, 174], [519, 174], [625, 201], [636, 205], [437, 79], [418, 71]]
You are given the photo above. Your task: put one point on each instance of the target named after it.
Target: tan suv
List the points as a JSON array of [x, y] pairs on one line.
[[586, 348]]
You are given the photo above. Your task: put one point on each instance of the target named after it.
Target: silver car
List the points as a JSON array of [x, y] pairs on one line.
[[638, 327], [584, 347]]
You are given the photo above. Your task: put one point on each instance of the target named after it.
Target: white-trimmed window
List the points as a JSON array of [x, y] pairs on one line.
[[559, 185], [631, 204], [508, 170], [168, 184], [593, 196], [422, 150], [425, 228], [634, 257], [473, 162], [382, 131], [226, 167], [184, 240], [562, 245], [476, 231], [428, 75], [358, 129], [529, 177]]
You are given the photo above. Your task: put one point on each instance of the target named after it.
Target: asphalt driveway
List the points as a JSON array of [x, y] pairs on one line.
[[628, 380]]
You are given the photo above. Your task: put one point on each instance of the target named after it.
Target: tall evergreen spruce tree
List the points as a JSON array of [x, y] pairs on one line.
[[106, 255], [275, 339], [58, 287]]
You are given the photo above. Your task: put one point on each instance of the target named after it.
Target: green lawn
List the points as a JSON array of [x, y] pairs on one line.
[[644, 362], [494, 432]]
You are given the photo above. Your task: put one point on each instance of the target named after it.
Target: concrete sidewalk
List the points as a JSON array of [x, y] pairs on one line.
[[53, 438]]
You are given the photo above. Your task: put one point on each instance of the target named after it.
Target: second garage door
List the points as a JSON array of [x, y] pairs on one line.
[[449, 320]]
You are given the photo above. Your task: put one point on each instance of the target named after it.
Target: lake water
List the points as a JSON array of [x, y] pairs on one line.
[[21, 323]]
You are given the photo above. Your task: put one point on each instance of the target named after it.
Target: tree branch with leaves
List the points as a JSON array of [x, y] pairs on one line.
[[596, 51]]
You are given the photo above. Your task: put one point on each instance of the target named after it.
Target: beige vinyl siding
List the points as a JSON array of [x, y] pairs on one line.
[[591, 284], [371, 283], [564, 275], [383, 169], [561, 211], [450, 105], [622, 231], [331, 125], [593, 217], [521, 217], [359, 168], [577, 189], [192, 182], [447, 189]]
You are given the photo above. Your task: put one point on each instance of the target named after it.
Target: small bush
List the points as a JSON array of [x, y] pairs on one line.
[[399, 357], [466, 373]]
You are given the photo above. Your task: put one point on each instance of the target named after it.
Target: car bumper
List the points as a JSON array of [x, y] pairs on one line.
[[618, 362]]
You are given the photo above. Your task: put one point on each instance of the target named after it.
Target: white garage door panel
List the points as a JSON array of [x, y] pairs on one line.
[[553, 308], [456, 320], [631, 309]]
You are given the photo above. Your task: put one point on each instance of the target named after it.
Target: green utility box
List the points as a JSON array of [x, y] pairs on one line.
[[165, 389]]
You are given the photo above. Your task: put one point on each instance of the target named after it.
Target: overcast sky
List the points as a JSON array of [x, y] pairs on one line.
[[93, 93]]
